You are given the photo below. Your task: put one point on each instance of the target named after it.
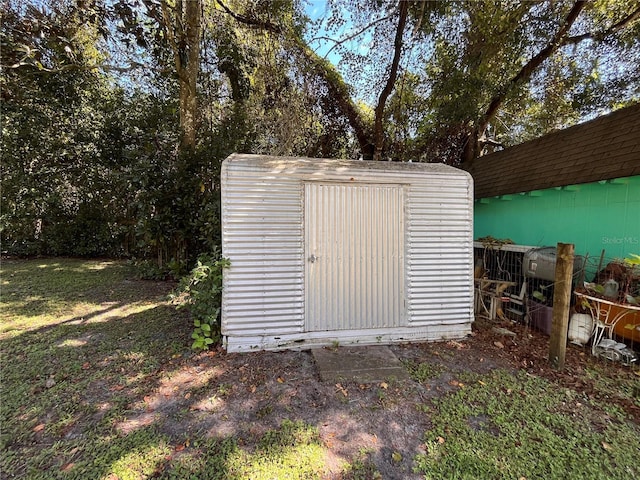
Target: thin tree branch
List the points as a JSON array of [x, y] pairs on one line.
[[251, 21], [423, 6], [626, 21], [166, 16], [350, 37], [70, 67]]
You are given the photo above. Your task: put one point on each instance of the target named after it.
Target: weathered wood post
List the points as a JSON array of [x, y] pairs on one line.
[[561, 304]]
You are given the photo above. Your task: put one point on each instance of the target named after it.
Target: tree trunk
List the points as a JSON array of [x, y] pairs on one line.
[[378, 127], [183, 27], [189, 77]]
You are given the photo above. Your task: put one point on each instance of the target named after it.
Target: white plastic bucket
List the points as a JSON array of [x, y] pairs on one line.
[[580, 328]]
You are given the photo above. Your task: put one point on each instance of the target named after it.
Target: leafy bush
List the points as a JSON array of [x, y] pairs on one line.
[[149, 270], [201, 292]]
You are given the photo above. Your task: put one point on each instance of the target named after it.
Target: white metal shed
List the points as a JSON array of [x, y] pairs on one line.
[[349, 252]]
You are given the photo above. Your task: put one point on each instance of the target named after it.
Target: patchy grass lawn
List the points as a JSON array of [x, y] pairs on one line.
[[502, 425], [83, 343], [98, 382]]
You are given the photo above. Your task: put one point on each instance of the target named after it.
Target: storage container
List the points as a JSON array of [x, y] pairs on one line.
[[580, 328], [541, 316], [541, 263]]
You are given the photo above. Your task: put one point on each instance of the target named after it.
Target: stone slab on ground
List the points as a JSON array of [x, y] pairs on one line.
[[368, 364]]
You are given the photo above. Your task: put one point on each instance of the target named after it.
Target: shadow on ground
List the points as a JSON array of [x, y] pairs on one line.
[[117, 389]]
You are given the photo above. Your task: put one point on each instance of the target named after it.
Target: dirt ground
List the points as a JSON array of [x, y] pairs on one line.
[[244, 395]]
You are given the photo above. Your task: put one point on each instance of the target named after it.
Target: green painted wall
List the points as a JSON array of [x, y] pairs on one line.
[[592, 216]]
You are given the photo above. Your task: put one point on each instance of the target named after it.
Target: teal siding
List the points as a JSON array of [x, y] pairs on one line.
[[592, 216]]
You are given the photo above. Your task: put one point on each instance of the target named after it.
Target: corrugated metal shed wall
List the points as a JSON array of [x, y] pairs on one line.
[[263, 223], [263, 235], [439, 250]]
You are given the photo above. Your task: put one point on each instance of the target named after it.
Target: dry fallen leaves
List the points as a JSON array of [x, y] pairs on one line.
[[341, 389]]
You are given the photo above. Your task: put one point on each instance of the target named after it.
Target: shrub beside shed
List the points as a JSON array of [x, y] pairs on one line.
[[349, 252]]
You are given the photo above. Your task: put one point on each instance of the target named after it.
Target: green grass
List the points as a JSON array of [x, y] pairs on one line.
[[82, 343], [506, 426], [423, 371], [362, 467], [293, 451], [606, 381]]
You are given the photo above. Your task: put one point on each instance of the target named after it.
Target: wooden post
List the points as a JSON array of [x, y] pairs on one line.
[[561, 304]]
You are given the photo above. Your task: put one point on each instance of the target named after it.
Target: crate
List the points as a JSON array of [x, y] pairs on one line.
[[540, 316]]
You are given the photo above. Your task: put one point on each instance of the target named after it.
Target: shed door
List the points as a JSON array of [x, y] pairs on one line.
[[354, 253]]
